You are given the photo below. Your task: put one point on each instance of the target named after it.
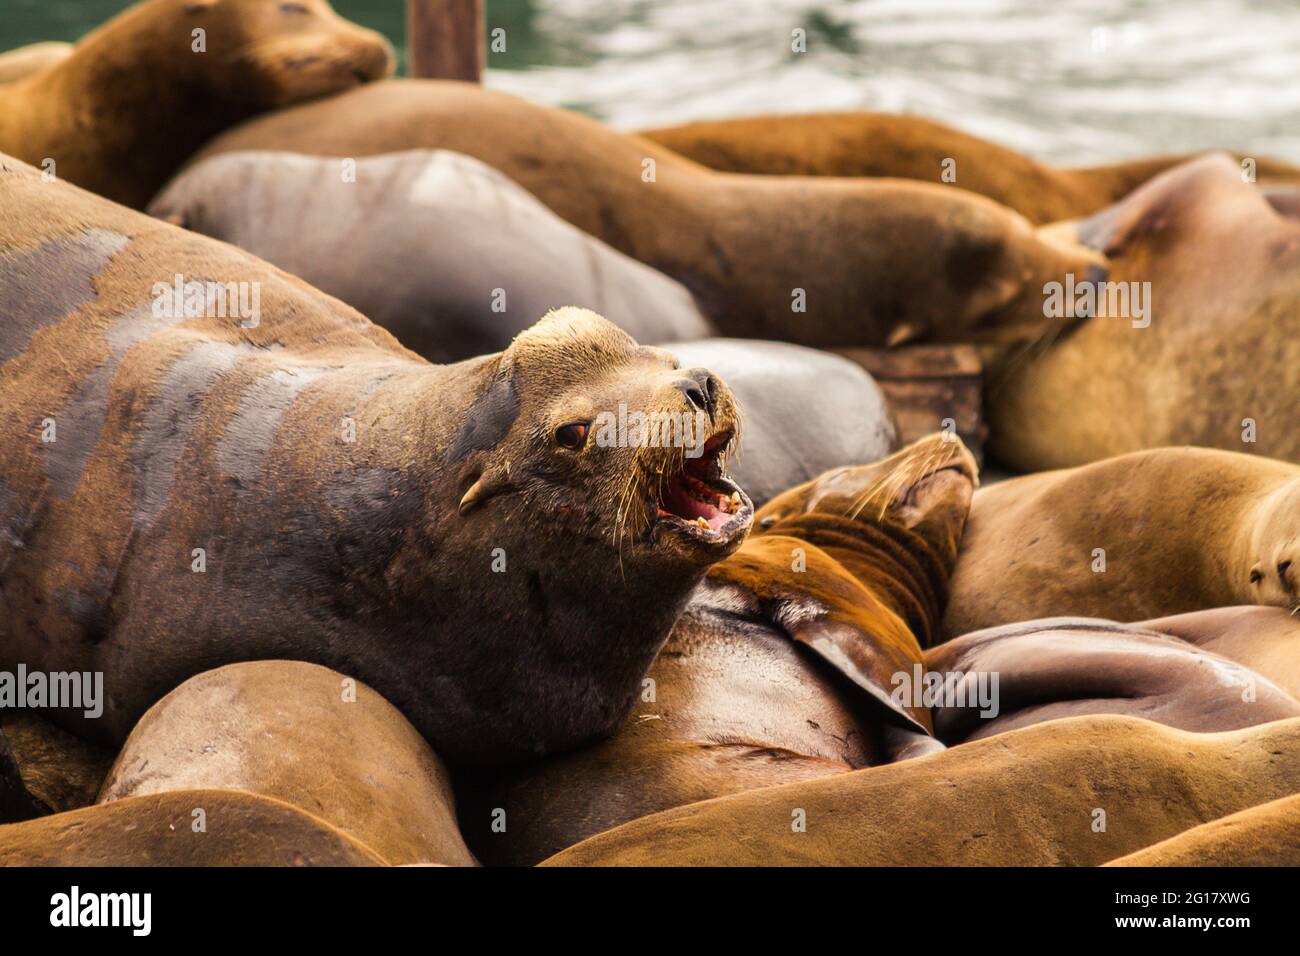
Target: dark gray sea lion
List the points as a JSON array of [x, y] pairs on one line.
[[818, 262], [445, 252], [138, 95], [257, 471]]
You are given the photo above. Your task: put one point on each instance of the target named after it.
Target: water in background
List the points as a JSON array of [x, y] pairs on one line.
[[1073, 81]]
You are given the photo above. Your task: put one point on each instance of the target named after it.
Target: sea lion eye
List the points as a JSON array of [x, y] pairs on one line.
[[572, 436], [293, 8]]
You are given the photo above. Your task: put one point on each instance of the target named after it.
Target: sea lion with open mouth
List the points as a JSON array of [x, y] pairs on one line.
[[817, 262], [1137, 536], [190, 482], [138, 95], [913, 147], [780, 668]]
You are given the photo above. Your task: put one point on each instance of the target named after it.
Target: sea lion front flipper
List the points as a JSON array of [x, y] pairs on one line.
[[1036, 671]]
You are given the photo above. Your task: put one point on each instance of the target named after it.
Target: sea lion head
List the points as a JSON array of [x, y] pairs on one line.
[[269, 54], [1275, 549], [595, 471], [896, 524], [923, 490]]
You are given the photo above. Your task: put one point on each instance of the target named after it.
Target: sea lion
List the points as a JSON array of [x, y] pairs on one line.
[[1067, 667], [780, 668], [287, 481], [149, 87], [1210, 357], [443, 251], [1074, 792], [812, 261], [21, 62], [1138, 536], [1263, 835], [183, 828], [913, 147], [308, 736]]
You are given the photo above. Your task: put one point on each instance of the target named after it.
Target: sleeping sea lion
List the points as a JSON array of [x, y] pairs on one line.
[[245, 468], [1199, 341], [1263, 835], [912, 147], [1074, 792], [308, 736], [443, 251], [138, 95], [1138, 536], [183, 828], [813, 261]]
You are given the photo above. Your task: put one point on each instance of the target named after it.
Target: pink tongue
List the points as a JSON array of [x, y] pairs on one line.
[[678, 502]]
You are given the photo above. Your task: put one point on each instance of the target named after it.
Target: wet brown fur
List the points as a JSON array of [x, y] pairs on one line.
[[912, 147]]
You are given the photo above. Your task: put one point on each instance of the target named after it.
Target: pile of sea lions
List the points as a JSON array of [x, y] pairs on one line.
[[433, 477]]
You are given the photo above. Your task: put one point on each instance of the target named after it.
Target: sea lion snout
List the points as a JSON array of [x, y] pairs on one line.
[[701, 389]]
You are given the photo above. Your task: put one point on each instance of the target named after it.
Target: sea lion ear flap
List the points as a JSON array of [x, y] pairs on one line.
[[491, 482]]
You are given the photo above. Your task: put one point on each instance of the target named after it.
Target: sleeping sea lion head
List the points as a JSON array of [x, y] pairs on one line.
[[923, 490], [275, 53], [595, 470], [896, 524], [1275, 548]]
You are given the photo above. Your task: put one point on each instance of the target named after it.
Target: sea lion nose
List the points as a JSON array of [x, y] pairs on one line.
[[700, 389], [1282, 568]]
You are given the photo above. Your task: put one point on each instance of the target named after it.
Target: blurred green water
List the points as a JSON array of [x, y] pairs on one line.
[[28, 21]]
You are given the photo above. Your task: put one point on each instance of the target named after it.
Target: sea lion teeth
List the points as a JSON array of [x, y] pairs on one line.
[[702, 524], [735, 499]]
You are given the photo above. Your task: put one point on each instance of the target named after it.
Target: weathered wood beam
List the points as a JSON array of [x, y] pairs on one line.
[[446, 39]]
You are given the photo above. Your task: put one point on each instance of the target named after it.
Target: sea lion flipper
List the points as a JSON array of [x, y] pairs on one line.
[[16, 801]]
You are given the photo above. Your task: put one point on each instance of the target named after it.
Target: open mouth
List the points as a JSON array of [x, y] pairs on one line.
[[701, 503]]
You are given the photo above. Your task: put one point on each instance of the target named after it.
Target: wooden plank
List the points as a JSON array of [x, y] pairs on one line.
[[927, 385], [446, 39]]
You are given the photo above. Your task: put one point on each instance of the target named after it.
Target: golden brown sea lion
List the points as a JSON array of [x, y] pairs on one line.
[[308, 736], [779, 670], [248, 469], [183, 828], [1264, 835], [1078, 791], [149, 87], [813, 261], [1138, 536], [23, 61], [1211, 360], [912, 147]]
